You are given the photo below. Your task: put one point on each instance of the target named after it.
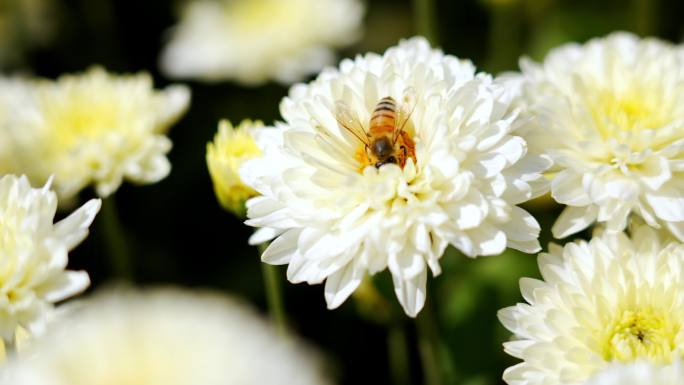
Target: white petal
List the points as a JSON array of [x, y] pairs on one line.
[[566, 188], [411, 293], [677, 229], [74, 228], [668, 204], [263, 235], [471, 212], [574, 219], [522, 226], [282, 248], [528, 286], [654, 172], [488, 239], [341, 284], [65, 285], [529, 247]]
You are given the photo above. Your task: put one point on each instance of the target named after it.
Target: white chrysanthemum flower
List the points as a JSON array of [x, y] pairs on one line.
[[95, 128], [612, 299], [34, 254], [340, 217], [611, 116], [163, 336], [640, 374], [232, 146], [252, 41]]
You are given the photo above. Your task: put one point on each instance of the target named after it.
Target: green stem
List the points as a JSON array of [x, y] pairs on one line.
[[428, 350], [274, 294], [644, 10], [426, 20], [397, 353], [115, 238], [504, 36], [437, 363]]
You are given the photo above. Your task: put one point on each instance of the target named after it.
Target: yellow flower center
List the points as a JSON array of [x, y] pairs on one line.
[[627, 111], [257, 15], [80, 119], [644, 333]]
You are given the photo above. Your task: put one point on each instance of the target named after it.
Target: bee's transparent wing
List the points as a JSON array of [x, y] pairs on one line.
[[348, 119], [408, 104]]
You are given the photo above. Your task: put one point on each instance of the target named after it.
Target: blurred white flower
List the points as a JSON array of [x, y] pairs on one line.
[[253, 41], [612, 299], [34, 254], [640, 374], [232, 146], [339, 217], [163, 336], [611, 116], [95, 128]]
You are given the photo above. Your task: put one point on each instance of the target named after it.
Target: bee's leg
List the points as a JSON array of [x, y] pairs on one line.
[[402, 158]]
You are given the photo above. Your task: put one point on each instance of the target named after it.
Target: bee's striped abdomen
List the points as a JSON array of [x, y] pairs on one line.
[[384, 117]]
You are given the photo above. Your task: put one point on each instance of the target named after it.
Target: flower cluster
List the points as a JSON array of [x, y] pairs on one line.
[[609, 310], [379, 164], [387, 160]]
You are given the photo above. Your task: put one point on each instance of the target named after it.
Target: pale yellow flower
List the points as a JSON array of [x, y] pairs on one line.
[[610, 114], [232, 146], [95, 128], [614, 299]]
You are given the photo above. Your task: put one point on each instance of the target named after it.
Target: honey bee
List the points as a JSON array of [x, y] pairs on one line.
[[385, 141]]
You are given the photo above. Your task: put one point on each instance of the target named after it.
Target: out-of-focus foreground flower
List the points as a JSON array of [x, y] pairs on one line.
[[640, 374], [163, 336], [612, 299], [611, 116], [457, 172], [34, 254], [229, 150], [252, 41], [94, 128]]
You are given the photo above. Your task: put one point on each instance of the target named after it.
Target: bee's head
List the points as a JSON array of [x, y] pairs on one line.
[[382, 149]]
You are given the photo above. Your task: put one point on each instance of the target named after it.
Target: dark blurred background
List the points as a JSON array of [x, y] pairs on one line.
[[177, 233]]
